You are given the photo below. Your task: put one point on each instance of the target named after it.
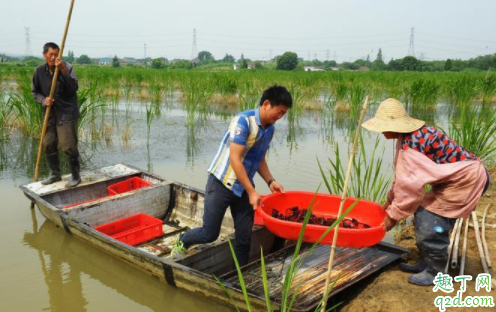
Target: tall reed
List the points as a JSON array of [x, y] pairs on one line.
[[476, 131], [367, 179]]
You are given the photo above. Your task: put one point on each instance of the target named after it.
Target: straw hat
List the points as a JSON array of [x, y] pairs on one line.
[[391, 116]]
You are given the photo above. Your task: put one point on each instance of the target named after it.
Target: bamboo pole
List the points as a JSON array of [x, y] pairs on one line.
[[343, 197], [52, 91], [479, 243], [450, 247], [484, 243], [464, 247], [454, 258]]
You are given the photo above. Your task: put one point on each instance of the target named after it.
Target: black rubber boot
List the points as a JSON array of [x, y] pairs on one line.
[[54, 165], [417, 267], [427, 276], [75, 168]]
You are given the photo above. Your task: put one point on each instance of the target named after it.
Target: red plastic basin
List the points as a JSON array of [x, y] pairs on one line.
[[327, 206]]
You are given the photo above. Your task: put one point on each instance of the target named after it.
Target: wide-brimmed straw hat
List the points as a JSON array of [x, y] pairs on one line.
[[391, 116]]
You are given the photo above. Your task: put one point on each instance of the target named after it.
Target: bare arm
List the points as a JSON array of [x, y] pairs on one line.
[[264, 172], [235, 156]]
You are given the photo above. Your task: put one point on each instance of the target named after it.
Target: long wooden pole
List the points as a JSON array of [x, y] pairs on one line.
[[479, 242], [52, 91], [484, 243], [343, 198], [464, 250]]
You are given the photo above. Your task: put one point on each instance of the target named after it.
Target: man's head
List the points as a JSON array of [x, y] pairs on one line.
[[50, 52], [274, 103]]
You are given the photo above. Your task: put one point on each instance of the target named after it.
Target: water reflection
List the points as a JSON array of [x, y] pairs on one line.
[[63, 279], [67, 262]]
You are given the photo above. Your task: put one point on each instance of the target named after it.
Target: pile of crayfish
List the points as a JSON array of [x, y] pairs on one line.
[[295, 214]]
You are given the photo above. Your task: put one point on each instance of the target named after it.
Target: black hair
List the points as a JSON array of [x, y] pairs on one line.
[[277, 95], [49, 45]]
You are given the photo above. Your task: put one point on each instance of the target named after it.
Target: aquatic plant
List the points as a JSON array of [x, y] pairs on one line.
[[476, 131], [367, 179]]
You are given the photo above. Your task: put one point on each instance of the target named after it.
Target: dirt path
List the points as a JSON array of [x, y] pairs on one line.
[[390, 290]]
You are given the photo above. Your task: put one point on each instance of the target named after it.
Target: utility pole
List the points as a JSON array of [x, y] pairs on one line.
[[194, 51], [411, 50], [27, 51], [145, 53]]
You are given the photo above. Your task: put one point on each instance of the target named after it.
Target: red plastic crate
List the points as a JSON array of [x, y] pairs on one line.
[[84, 202], [127, 186], [133, 230]]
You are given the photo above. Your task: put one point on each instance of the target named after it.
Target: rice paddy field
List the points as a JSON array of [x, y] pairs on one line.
[[170, 122]]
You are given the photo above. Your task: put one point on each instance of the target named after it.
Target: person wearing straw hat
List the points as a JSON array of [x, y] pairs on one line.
[[427, 156], [63, 120]]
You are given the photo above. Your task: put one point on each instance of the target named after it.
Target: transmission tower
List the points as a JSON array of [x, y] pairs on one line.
[[145, 51], [411, 50], [327, 55], [27, 47], [194, 51]]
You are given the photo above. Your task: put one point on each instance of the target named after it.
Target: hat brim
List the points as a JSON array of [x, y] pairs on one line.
[[402, 125]]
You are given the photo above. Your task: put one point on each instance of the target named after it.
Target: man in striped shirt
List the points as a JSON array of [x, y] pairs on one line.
[[241, 154]]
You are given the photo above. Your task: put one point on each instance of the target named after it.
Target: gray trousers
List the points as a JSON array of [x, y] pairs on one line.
[[65, 135]]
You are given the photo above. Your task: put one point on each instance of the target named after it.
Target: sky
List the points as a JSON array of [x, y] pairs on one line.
[[342, 30]]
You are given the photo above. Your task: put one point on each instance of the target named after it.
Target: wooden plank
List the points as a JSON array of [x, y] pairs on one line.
[[87, 178]]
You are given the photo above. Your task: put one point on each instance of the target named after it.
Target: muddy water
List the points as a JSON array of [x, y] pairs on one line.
[[42, 268]]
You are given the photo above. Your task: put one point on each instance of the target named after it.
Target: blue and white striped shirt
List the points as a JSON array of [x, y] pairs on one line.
[[245, 129]]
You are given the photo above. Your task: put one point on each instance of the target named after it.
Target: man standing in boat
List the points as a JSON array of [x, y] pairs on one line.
[[241, 154], [63, 120]]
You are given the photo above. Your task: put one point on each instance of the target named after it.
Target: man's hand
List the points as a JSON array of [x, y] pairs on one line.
[[48, 101], [389, 223], [61, 66], [276, 187], [255, 199]]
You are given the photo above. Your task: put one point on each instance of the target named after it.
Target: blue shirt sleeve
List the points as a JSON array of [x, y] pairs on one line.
[[239, 130]]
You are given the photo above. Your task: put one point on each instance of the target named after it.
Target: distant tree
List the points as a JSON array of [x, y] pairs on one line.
[[368, 58], [205, 56], [287, 61], [329, 64], [228, 58], [84, 59], [379, 56], [116, 62], [395, 65], [181, 64], [158, 63], [350, 66], [410, 63], [70, 57], [448, 65]]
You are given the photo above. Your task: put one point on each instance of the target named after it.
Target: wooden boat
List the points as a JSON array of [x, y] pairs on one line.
[[181, 207]]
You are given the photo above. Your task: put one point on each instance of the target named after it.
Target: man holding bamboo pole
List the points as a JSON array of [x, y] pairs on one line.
[[427, 156], [63, 120]]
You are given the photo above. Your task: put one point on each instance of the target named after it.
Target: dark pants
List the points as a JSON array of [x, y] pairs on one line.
[[65, 135], [217, 199], [432, 232]]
